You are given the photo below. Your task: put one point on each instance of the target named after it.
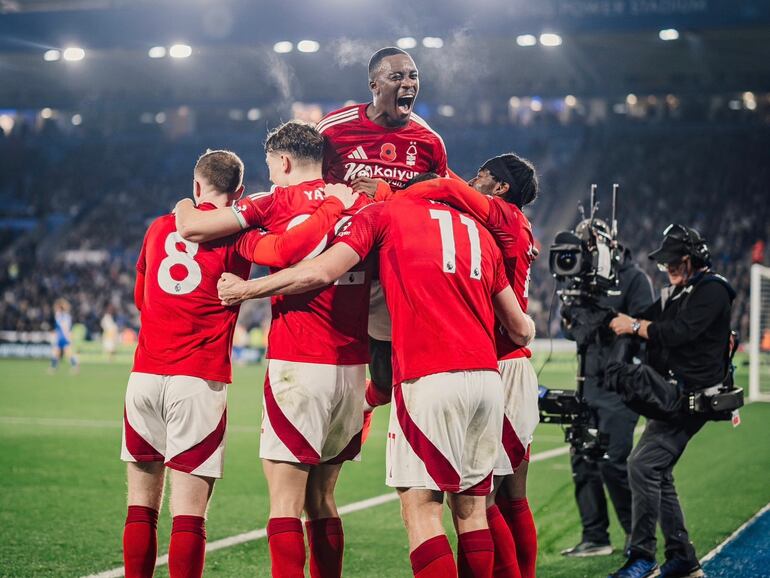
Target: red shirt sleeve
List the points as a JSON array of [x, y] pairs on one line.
[[363, 231], [141, 261], [251, 210], [440, 162], [141, 268], [383, 192], [501, 279], [283, 250], [452, 192], [504, 222]]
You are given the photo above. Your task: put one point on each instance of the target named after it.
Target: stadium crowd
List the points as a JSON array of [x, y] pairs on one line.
[[75, 206]]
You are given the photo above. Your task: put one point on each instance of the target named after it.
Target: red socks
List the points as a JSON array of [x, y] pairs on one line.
[[287, 547], [475, 554], [327, 543], [519, 518], [187, 551], [433, 559], [506, 564], [140, 541]]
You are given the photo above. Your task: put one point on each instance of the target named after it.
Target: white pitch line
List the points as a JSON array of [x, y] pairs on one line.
[[734, 535], [347, 509]]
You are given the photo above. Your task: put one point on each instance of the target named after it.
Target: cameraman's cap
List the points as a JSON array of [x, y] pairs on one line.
[[673, 247]]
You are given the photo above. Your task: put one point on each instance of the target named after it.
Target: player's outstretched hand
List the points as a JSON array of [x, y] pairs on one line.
[[183, 202], [231, 289], [342, 192], [365, 185]]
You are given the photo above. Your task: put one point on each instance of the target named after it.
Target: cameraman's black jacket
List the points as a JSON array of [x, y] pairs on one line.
[[690, 331]]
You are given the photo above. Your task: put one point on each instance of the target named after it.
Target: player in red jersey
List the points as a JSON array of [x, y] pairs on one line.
[[382, 139], [175, 406], [507, 183], [317, 351], [446, 420]]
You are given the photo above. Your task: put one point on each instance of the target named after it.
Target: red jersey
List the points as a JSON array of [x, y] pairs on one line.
[[512, 232], [439, 270], [327, 325], [355, 146], [185, 330]]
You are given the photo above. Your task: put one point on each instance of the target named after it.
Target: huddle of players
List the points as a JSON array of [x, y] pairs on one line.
[[453, 261]]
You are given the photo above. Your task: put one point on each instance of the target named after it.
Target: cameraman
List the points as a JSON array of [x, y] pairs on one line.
[[632, 295], [688, 334]]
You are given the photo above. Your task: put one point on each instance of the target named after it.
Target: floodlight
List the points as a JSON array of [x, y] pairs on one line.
[[526, 40], [550, 39], [73, 54], [180, 51]]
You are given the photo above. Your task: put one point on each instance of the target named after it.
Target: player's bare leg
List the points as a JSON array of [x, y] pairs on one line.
[[140, 536], [287, 483], [190, 496], [512, 501], [475, 549], [429, 550], [324, 527]]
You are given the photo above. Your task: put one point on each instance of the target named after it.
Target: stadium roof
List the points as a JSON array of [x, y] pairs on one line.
[[465, 50]]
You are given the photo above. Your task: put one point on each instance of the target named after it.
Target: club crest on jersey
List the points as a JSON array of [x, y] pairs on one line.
[[388, 152], [411, 154]]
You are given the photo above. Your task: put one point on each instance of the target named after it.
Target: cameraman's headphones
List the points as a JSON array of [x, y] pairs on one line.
[[695, 244]]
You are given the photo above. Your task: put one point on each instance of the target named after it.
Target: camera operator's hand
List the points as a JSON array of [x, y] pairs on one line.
[[624, 324]]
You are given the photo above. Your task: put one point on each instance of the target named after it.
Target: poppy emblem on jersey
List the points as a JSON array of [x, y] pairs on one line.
[[388, 152]]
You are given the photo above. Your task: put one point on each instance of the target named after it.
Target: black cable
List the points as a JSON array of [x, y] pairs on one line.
[[548, 333]]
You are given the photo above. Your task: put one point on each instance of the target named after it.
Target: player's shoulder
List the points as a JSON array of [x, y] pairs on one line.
[[161, 224], [339, 118], [507, 213], [419, 124], [254, 197], [301, 192]]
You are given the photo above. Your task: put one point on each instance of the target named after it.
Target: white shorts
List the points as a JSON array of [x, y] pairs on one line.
[[380, 326], [175, 419], [521, 413], [313, 412], [444, 432]]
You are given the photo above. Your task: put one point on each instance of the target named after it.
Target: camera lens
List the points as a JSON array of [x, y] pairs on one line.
[[566, 261]]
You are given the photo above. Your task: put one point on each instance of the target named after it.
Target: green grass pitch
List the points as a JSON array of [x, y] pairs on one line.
[[62, 486]]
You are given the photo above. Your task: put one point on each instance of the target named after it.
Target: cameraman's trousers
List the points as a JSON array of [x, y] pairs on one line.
[[650, 472], [591, 476]]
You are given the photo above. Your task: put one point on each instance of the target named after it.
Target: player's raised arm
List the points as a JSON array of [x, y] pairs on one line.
[[305, 276], [453, 192], [201, 226], [290, 247]]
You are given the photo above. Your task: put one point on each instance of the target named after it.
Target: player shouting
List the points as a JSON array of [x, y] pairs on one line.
[[175, 405], [446, 420], [382, 139], [317, 351]]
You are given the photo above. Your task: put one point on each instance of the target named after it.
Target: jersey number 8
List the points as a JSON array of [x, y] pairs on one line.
[[185, 259]]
